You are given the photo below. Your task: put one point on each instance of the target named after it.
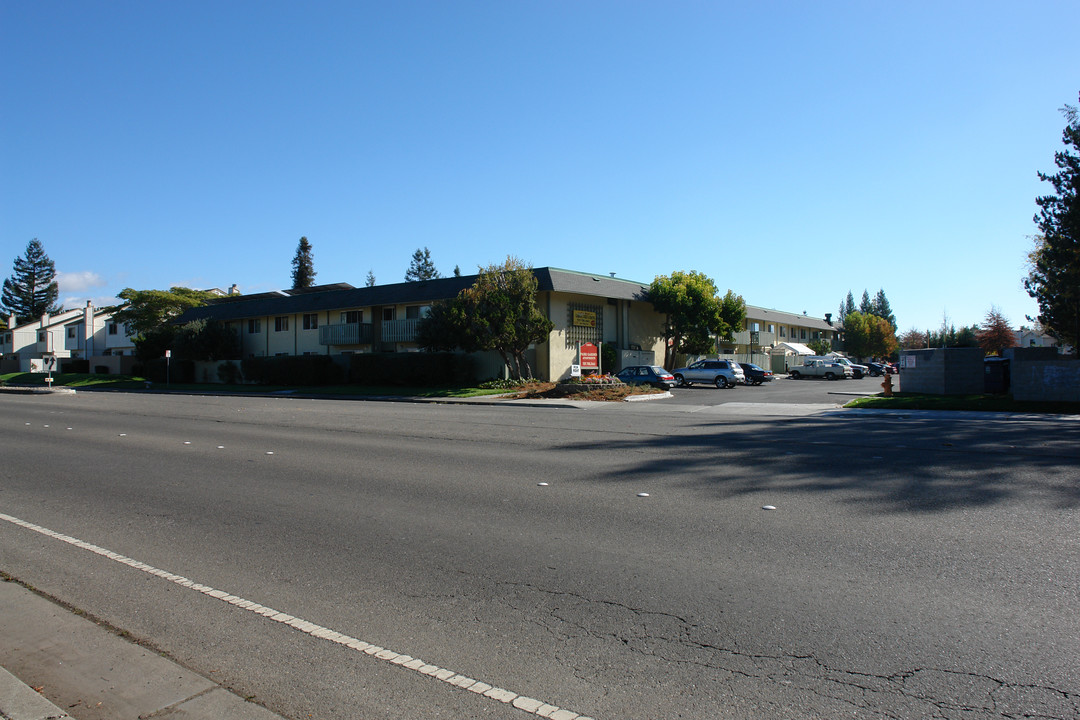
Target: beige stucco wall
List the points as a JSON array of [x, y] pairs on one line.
[[642, 326]]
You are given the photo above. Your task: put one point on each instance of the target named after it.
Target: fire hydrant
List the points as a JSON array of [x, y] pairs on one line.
[[886, 385]]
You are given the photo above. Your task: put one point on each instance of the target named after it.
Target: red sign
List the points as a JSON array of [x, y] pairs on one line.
[[589, 357]]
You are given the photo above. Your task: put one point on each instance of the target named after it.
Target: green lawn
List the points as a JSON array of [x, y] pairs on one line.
[[127, 382], [978, 403]]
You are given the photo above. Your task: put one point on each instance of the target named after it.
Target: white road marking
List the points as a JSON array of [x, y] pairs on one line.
[[450, 677]]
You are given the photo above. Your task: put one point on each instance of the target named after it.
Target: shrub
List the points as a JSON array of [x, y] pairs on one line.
[[75, 365], [229, 373], [161, 370], [292, 370], [423, 369]]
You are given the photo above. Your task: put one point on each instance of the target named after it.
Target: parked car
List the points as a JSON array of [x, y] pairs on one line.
[[857, 371], [647, 375], [820, 368], [721, 373], [876, 369], [755, 375]]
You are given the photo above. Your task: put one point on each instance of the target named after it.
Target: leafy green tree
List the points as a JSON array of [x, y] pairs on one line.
[[867, 335], [148, 315], [693, 313], [820, 346], [1054, 265], [421, 267], [995, 334], [499, 312], [32, 290], [303, 266], [913, 340], [949, 336], [443, 328], [206, 340]]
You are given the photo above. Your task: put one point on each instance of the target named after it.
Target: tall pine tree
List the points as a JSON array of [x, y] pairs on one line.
[[847, 306], [1054, 271], [32, 290], [880, 306], [303, 272], [865, 306], [421, 268]]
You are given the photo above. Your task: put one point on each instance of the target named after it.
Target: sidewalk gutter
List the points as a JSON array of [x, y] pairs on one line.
[[94, 673], [18, 701]]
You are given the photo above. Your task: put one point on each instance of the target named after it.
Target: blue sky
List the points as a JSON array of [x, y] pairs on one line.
[[792, 151]]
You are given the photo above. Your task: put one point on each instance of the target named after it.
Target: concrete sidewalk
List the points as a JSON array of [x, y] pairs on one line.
[[57, 664]]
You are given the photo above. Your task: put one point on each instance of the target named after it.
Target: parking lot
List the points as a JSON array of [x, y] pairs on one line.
[[781, 390]]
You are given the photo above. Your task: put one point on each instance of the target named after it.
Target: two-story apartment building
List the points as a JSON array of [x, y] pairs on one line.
[[83, 333], [779, 335], [342, 319]]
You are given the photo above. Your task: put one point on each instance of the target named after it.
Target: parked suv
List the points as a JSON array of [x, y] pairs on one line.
[[721, 373]]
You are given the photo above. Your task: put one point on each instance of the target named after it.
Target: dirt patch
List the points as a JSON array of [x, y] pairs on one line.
[[601, 393]]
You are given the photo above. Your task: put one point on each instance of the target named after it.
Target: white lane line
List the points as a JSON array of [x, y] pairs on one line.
[[449, 677]]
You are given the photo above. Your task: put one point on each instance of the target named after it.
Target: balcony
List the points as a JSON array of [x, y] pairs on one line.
[[345, 334], [395, 331], [764, 338]]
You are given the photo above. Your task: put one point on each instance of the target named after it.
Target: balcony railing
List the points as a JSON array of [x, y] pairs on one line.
[[399, 330], [345, 334]]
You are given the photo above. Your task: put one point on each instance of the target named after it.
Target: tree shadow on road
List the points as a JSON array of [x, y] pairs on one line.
[[895, 464]]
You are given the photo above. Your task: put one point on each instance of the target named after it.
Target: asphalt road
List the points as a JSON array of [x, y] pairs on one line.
[[919, 567]]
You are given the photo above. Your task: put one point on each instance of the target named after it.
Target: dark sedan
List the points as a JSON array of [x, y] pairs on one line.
[[755, 375], [647, 375]]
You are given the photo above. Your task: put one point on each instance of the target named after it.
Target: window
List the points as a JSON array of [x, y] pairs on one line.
[[352, 317], [42, 337], [755, 327], [112, 328], [782, 331], [415, 312], [804, 333], [771, 326], [387, 314], [253, 327], [281, 324], [311, 321]]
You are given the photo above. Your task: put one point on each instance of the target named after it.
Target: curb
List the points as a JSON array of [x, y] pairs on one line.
[[18, 701]]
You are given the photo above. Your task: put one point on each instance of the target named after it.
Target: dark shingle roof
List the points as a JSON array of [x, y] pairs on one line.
[[427, 291]]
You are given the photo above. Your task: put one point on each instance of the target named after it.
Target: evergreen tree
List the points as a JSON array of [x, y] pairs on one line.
[[1054, 265], [457, 271], [847, 306], [370, 279], [421, 268], [32, 290], [995, 335], [303, 264], [880, 306], [865, 306]]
